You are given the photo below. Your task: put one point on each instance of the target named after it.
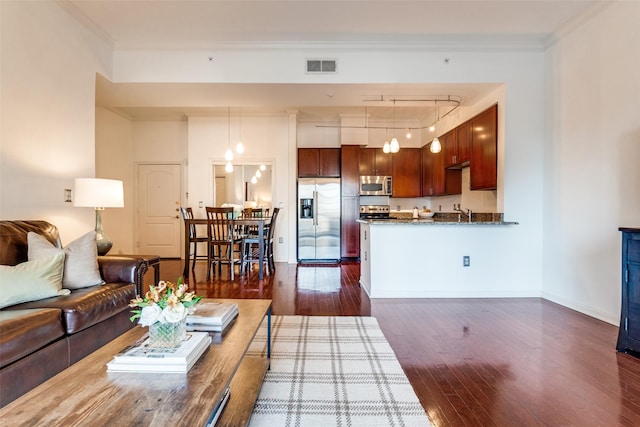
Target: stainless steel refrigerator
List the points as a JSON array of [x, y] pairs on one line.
[[318, 219]]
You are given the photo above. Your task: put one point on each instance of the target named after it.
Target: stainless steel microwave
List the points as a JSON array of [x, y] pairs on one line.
[[376, 186]]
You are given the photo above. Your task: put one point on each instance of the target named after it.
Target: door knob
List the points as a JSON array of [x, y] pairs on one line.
[[177, 217]]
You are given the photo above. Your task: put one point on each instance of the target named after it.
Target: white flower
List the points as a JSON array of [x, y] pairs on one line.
[[173, 314], [150, 315]]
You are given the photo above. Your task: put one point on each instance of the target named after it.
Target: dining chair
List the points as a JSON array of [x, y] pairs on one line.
[[222, 239], [194, 238], [250, 248]]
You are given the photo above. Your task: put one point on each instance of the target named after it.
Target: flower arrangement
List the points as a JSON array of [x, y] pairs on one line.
[[164, 303]]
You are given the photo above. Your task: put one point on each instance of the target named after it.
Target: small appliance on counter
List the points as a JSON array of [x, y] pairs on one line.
[[374, 211]]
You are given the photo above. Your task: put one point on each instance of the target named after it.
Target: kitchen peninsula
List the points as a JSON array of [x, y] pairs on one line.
[[424, 258]]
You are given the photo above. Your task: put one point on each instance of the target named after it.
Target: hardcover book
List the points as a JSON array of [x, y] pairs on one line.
[[211, 316], [142, 358]]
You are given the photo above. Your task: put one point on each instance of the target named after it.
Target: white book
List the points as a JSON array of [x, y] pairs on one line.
[[148, 359], [210, 328], [212, 313]]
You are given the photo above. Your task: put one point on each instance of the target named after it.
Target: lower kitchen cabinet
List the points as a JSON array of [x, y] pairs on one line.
[[629, 332], [350, 228]]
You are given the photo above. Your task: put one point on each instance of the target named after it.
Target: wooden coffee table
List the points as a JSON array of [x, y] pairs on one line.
[[86, 394]]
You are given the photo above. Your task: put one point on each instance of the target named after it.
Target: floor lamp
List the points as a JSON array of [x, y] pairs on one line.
[[99, 194]]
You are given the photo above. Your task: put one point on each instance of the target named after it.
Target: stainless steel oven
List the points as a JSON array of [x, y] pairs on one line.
[[376, 185]]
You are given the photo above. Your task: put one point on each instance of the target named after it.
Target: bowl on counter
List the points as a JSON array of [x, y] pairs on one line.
[[426, 214]]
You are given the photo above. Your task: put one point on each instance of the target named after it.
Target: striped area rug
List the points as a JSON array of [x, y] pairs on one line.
[[332, 371]]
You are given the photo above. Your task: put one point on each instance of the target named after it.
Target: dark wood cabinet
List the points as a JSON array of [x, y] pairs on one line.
[[427, 171], [629, 331], [484, 150], [318, 162], [349, 227], [463, 143], [374, 161], [350, 170], [350, 207], [406, 173], [456, 145], [444, 181]]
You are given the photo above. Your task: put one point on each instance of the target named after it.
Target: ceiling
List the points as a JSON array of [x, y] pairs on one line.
[[193, 24]]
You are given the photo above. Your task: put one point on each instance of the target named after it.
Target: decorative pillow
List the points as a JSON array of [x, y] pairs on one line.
[[32, 280], [80, 261]]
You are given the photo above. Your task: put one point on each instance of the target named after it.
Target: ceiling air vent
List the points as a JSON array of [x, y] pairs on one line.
[[321, 66]]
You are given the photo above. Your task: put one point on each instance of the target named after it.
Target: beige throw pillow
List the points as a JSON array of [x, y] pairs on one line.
[[80, 262], [32, 280]]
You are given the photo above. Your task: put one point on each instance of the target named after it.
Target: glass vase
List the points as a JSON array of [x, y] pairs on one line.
[[167, 335]]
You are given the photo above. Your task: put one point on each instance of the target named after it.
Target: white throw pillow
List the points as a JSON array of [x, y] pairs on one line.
[[80, 262], [31, 280]]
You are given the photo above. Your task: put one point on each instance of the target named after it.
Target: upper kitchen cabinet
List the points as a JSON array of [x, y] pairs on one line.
[[456, 145], [373, 161], [427, 171], [437, 179], [350, 168], [318, 162], [484, 150], [406, 173]]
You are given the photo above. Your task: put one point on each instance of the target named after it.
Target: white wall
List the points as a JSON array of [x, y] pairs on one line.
[[592, 158], [48, 70], [266, 139], [114, 160]]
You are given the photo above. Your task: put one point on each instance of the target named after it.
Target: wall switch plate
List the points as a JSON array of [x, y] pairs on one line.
[[280, 239], [200, 204], [466, 261]]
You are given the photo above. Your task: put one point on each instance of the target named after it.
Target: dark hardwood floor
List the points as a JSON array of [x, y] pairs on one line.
[[472, 362]]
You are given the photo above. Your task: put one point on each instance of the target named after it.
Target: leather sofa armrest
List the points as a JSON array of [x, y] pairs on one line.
[[128, 269]]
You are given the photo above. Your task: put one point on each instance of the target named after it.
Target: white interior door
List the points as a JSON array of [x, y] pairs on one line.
[[158, 210]]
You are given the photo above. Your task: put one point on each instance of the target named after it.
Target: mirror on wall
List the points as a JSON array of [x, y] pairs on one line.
[[249, 185]]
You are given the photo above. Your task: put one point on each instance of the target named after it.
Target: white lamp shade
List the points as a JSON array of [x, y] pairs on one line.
[[98, 193]]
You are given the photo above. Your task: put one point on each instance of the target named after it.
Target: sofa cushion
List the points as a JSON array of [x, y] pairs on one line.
[[31, 280], [80, 262], [13, 239], [24, 331], [87, 306]]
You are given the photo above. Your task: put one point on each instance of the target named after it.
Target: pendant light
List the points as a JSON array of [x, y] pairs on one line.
[[386, 148], [240, 145], [436, 147], [394, 146]]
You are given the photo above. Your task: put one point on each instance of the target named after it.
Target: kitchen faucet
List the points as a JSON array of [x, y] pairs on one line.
[[460, 211]]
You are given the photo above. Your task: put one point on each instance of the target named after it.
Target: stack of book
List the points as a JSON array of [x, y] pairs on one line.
[[142, 358], [211, 316]]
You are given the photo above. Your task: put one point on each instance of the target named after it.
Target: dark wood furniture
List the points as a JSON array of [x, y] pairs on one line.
[[374, 161], [318, 162], [350, 207], [629, 331], [406, 173], [252, 222], [86, 393], [251, 245], [484, 150], [223, 237], [195, 238]]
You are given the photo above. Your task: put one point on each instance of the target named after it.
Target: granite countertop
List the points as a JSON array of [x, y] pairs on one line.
[[441, 218]]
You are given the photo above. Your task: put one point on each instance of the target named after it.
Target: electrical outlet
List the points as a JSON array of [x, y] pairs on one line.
[[466, 261], [280, 239]]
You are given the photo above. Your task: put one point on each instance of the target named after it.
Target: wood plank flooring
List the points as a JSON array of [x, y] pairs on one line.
[[472, 362]]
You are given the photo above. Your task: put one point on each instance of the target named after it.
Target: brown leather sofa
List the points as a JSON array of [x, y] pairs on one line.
[[40, 338]]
